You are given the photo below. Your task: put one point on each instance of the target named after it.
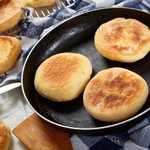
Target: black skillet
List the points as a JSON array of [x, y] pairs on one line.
[[76, 35]]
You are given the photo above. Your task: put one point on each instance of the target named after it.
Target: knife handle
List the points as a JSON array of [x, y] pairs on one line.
[[9, 87]]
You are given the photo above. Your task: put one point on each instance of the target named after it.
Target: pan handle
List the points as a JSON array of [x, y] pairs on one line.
[[9, 87]]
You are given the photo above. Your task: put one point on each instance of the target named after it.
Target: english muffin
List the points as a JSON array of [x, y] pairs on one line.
[[62, 77], [10, 14], [115, 94], [40, 3], [3, 2], [5, 137], [123, 40], [10, 48]]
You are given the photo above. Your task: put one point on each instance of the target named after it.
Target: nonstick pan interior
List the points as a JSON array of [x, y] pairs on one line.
[[77, 35]]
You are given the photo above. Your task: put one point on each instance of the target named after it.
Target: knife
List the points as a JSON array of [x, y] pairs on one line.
[[9, 87]]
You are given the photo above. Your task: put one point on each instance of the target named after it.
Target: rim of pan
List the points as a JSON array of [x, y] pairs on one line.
[[65, 126]]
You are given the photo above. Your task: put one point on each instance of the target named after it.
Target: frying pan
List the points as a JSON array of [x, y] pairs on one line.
[[76, 35]]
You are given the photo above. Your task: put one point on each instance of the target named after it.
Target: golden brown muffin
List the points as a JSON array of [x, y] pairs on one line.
[[40, 3], [3, 2], [10, 48], [5, 137], [115, 94], [124, 40], [62, 77], [10, 14]]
